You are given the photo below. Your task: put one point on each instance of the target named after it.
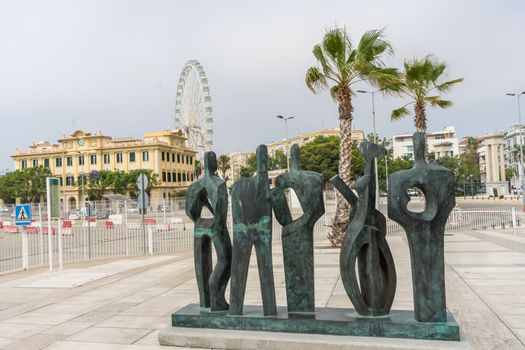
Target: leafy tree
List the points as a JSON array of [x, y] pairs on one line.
[[28, 185], [509, 173], [198, 168], [278, 161], [8, 188], [340, 65], [421, 82], [98, 182], [321, 155], [249, 168], [223, 163]]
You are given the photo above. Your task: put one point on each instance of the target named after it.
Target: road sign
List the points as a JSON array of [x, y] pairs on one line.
[[143, 200], [142, 181], [53, 191], [23, 215]]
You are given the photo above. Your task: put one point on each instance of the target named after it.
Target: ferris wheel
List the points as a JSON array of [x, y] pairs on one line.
[[193, 108]]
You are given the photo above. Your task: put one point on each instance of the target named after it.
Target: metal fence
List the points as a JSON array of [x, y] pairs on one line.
[[167, 230]]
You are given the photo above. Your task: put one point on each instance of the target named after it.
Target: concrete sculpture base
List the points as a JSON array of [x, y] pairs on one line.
[[330, 321]]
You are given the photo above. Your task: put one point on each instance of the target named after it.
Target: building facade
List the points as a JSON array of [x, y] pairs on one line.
[[514, 138], [442, 143], [492, 163], [165, 153], [237, 161]]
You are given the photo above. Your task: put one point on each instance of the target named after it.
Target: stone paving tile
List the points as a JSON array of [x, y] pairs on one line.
[[68, 328], [68, 345], [34, 342], [40, 318], [126, 321], [110, 335], [11, 330]]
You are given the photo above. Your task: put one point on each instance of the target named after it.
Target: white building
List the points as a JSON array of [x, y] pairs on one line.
[[443, 143], [492, 163], [512, 156], [237, 161]]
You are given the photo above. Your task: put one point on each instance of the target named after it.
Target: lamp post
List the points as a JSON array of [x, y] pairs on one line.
[[286, 138], [375, 139], [521, 174]]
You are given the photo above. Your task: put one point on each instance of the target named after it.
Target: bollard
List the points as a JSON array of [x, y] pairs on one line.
[[150, 240], [25, 249]]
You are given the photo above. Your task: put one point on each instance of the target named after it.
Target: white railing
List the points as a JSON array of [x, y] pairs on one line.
[[122, 235]]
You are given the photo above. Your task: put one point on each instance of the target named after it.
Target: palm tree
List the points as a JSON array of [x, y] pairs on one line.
[[224, 164], [421, 81], [340, 65]]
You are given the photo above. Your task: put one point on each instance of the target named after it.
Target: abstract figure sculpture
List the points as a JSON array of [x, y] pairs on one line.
[[365, 244], [210, 191], [297, 235], [425, 231], [252, 226]]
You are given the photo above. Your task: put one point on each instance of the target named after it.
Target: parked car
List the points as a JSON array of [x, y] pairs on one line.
[[74, 215], [412, 192], [102, 214], [133, 210]]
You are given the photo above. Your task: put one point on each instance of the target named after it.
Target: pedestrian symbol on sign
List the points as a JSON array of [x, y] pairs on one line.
[[23, 215]]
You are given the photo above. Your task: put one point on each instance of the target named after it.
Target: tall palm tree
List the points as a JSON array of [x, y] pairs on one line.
[[340, 65], [421, 81], [223, 164]]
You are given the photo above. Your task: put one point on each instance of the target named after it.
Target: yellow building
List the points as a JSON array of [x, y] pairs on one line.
[[163, 152]]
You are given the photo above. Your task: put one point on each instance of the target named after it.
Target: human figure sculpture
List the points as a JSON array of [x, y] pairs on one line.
[[425, 231], [364, 244], [210, 192], [297, 235], [252, 226]]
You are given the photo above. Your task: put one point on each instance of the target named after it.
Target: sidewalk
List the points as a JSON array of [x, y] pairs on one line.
[[122, 304]]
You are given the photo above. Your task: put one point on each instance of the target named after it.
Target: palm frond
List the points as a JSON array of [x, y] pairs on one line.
[[320, 56], [447, 86], [436, 101], [399, 113], [372, 47], [315, 80], [334, 92], [334, 45]]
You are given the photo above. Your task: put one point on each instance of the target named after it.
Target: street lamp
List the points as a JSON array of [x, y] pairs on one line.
[[521, 175], [286, 138], [375, 139]]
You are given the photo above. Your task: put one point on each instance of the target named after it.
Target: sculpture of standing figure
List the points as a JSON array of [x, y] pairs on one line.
[[426, 230], [297, 235], [252, 226], [365, 244], [210, 191]]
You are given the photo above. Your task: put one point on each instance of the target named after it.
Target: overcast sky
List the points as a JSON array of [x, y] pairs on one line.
[[113, 66]]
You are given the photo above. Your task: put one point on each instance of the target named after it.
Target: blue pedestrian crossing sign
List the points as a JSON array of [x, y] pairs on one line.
[[23, 215]]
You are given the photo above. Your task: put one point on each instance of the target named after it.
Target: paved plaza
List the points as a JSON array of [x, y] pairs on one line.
[[122, 304]]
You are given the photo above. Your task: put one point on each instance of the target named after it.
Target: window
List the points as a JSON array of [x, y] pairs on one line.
[[178, 158], [118, 157], [191, 176], [145, 156], [163, 176], [106, 158], [70, 181], [93, 159], [169, 177], [23, 164], [163, 156], [61, 181], [440, 137], [132, 156], [178, 177], [46, 163], [191, 160], [173, 157], [80, 160], [58, 162], [183, 177], [174, 177], [35, 162], [187, 160], [69, 161]]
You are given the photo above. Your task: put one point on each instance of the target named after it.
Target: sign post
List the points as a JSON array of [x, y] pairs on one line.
[[143, 201], [23, 218], [53, 211]]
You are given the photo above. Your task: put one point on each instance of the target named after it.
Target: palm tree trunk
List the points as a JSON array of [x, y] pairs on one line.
[[421, 122], [342, 211]]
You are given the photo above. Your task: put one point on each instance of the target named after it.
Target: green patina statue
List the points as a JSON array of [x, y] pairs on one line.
[[297, 235], [252, 226], [210, 192], [426, 230], [365, 245]]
